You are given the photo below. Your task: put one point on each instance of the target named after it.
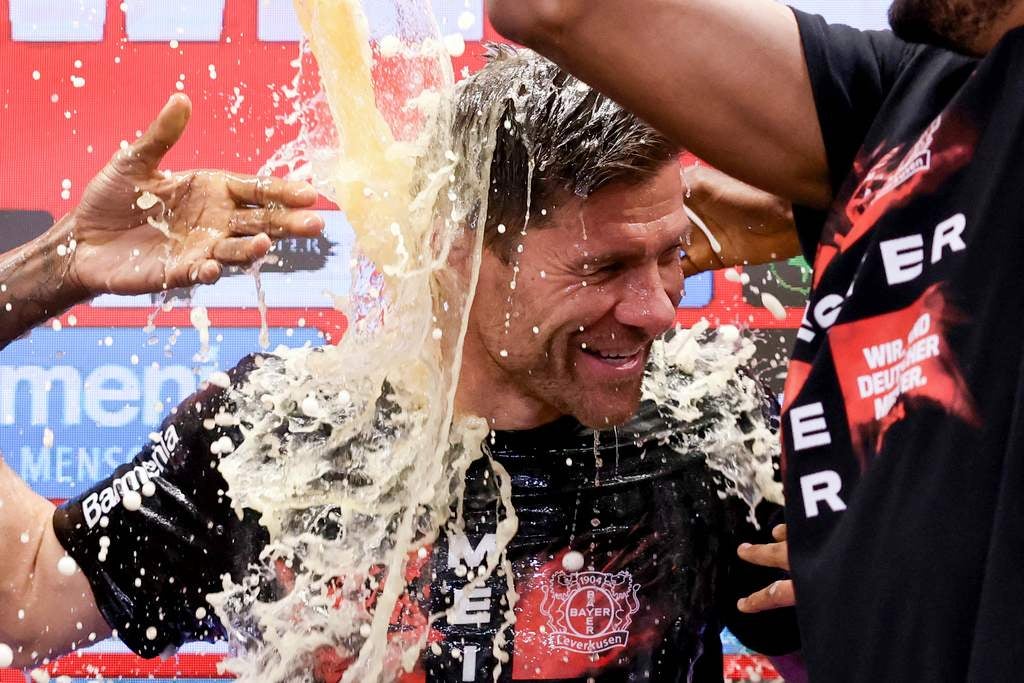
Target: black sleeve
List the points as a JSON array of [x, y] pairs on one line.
[[151, 568], [852, 73]]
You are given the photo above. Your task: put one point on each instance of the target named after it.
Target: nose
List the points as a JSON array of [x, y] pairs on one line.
[[648, 302]]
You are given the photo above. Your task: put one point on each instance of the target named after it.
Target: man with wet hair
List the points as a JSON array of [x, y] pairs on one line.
[[903, 418], [625, 560]]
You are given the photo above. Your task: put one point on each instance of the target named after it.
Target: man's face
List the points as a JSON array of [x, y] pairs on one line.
[[970, 26], [595, 285]]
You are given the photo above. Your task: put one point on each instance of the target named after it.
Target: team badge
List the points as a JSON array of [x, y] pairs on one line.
[[589, 612]]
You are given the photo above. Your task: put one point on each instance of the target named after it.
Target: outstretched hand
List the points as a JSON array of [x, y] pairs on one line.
[[749, 225], [139, 230], [776, 555]]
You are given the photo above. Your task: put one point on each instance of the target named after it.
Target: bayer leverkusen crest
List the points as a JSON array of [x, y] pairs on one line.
[[589, 612]]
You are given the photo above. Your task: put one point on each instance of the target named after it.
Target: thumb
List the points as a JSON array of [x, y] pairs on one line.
[[164, 131]]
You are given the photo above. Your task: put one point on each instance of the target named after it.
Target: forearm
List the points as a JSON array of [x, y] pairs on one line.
[[43, 613], [726, 79], [33, 282]]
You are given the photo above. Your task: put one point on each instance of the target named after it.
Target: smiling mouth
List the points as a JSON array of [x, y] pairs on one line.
[[618, 358]]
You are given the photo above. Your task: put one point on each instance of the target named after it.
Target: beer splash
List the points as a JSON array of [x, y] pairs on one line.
[[353, 454]]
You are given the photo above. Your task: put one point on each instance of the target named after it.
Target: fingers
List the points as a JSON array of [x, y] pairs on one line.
[[690, 267], [164, 131], [241, 251], [767, 555], [779, 532], [262, 191], [699, 254], [276, 223], [206, 273], [207, 269], [187, 273], [778, 594]]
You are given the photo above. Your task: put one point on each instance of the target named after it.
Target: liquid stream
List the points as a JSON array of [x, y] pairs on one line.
[[354, 454]]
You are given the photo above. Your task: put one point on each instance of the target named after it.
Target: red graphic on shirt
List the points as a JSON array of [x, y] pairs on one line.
[[554, 638], [884, 362], [894, 176]]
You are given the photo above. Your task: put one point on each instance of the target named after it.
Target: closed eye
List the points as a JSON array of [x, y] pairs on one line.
[[671, 255]]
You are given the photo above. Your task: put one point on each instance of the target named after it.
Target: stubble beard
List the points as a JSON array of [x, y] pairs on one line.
[[597, 406], [958, 25]]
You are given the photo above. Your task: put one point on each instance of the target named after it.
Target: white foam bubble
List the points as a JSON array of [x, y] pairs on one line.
[[573, 561], [773, 305], [67, 565], [455, 44], [132, 501], [466, 20]]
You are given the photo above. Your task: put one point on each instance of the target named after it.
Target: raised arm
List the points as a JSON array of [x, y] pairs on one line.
[[725, 78], [139, 230]]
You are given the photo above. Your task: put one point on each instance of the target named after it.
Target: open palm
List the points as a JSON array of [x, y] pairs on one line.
[[138, 229]]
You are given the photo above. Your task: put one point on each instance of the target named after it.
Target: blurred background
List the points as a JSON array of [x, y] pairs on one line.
[[82, 77]]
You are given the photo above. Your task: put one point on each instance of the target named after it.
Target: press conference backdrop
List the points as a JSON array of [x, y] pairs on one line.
[[80, 78]]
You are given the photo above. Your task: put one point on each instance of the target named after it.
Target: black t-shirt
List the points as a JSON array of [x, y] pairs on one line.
[[902, 424], [656, 531], [659, 541]]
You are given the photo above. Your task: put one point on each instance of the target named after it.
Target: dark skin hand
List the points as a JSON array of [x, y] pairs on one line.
[[139, 230], [751, 226], [213, 219]]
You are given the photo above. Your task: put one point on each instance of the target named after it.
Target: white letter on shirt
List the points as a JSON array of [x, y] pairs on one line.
[[809, 427], [821, 487], [948, 234], [903, 258], [473, 607]]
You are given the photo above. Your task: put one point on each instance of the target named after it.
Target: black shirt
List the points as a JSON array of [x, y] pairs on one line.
[[656, 530], [902, 424]]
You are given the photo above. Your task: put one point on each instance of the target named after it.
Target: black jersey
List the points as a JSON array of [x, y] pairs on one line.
[[903, 402], [650, 579]]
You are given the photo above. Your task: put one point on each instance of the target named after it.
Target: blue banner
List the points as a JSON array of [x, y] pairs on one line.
[[77, 403]]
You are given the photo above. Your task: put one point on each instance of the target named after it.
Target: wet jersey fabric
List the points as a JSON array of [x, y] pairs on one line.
[[660, 575], [657, 536], [903, 430]]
